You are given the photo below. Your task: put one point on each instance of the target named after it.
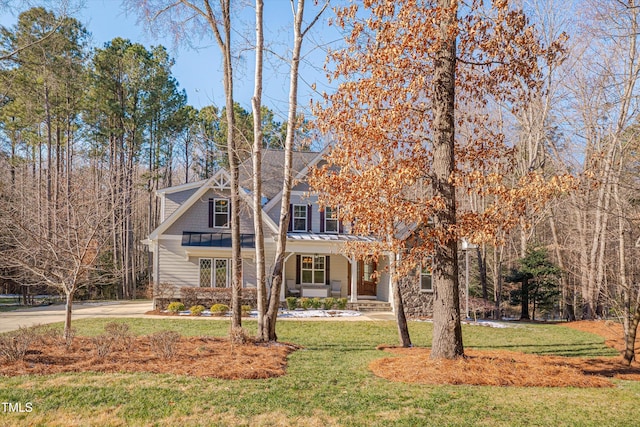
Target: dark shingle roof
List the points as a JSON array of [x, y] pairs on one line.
[[273, 170]]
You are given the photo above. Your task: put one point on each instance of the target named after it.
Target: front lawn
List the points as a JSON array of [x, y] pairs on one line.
[[327, 383]]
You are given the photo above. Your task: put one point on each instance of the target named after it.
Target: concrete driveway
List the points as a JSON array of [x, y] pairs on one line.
[[12, 320]]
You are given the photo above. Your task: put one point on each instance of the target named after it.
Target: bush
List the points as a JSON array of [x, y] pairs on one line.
[[164, 343], [196, 310], [175, 307], [316, 303], [305, 303], [341, 303], [219, 309], [292, 303], [245, 310], [104, 343], [192, 295], [120, 334], [14, 345], [328, 303]]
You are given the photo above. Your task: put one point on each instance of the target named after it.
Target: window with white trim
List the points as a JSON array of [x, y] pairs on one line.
[[312, 269], [331, 222], [299, 217], [215, 272], [222, 214], [426, 283], [205, 272]]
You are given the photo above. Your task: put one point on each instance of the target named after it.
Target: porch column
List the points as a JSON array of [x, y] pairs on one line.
[[354, 280], [283, 285]]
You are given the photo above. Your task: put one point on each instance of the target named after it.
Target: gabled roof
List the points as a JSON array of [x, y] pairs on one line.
[[299, 173], [273, 170], [181, 187], [221, 180]]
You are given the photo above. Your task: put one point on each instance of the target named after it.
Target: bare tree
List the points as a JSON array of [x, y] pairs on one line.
[[181, 17], [65, 258], [278, 269], [256, 105]]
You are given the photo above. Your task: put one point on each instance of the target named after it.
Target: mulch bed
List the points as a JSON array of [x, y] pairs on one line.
[[507, 368], [205, 357], [210, 357]]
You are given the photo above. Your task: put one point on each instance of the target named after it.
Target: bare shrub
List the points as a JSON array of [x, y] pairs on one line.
[[104, 344], [122, 337], [165, 343], [14, 345], [238, 335]]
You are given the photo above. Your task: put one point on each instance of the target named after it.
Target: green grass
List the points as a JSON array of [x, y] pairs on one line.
[[5, 308], [327, 383]]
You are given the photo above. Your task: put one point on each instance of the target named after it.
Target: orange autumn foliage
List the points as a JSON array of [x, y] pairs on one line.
[[379, 168]]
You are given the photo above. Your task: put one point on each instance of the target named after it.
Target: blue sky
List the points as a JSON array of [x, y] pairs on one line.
[[199, 71]]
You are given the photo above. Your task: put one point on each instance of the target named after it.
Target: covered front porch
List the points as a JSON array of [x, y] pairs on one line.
[[316, 267]]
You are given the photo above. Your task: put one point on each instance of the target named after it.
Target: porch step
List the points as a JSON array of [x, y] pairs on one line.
[[369, 306]]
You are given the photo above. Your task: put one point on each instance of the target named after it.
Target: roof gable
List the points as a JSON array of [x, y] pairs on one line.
[[221, 180], [273, 170]]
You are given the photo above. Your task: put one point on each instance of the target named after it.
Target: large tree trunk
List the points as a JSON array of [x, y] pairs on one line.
[[236, 259], [398, 306], [630, 337], [447, 330], [568, 311], [256, 104], [524, 300]]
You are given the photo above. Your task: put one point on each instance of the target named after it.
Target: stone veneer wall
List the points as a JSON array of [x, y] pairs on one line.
[[416, 302]]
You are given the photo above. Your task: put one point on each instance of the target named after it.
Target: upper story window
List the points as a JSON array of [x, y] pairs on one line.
[[426, 284], [331, 222], [300, 218], [219, 213]]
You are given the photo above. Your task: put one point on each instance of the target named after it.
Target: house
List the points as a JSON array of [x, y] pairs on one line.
[[192, 245]]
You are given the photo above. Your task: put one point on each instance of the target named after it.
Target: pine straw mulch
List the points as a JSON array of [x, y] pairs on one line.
[[195, 356], [508, 368]]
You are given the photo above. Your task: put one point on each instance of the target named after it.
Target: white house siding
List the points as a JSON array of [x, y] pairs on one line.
[[248, 273], [173, 200], [178, 270], [383, 293], [340, 271], [174, 268]]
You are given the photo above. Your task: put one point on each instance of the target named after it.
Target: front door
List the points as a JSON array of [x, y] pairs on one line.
[[366, 278]]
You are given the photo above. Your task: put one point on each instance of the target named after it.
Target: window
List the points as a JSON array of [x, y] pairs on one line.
[[313, 269], [331, 223], [221, 277], [214, 272], [299, 217], [205, 272], [426, 284], [221, 213]]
